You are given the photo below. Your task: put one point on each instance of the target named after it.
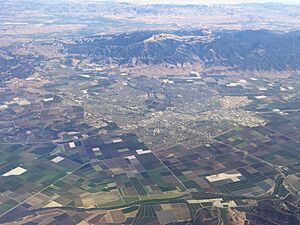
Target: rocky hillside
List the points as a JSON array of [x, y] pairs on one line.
[[254, 50]]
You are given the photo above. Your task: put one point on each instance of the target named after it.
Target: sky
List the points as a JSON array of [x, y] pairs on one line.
[[206, 1]]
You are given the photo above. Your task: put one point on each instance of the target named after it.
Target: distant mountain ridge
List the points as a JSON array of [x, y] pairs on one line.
[[257, 50]]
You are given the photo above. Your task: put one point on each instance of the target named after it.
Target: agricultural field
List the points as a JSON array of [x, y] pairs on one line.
[[58, 154]]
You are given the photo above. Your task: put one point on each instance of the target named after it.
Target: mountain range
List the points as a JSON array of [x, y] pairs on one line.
[[252, 50]]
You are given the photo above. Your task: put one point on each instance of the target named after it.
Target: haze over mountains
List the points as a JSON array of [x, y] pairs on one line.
[[88, 18]]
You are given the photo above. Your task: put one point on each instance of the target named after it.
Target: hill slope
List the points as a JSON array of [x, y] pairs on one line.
[[254, 50]]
